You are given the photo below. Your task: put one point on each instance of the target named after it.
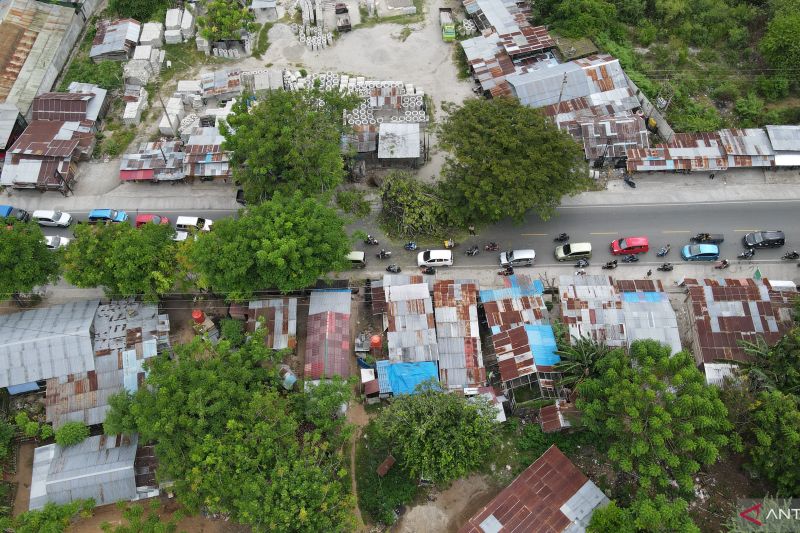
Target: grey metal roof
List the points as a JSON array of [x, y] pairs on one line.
[[95, 104], [45, 343], [8, 118], [409, 319], [784, 138], [651, 317], [399, 140], [330, 301], [100, 467], [579, 508]]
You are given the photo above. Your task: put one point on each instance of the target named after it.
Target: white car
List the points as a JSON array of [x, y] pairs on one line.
[[54, 242], [435, 258], [180, 236], [56, 219]]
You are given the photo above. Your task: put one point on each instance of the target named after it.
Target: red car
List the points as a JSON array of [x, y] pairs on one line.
[[155, 219], [630, 245]]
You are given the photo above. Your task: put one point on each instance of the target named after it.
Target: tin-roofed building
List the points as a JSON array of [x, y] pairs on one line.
[[519, 302], [591, 308], [400, 143], [559, 416], [746, 148], [725, 312], [407, 318], [648, 313], [550, 496], [115, 40], [221, 84], [126, 335], [279, 317], [100, 467], [785, 141], [458, 338], [48, 342], [205, 158], [155, 161], [328, 345], [12, 124]]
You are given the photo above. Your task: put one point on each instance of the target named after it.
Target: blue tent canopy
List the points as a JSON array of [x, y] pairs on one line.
[[403, 378]]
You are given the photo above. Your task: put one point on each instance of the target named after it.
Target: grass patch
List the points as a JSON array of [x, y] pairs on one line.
[[262, 42], [114, 140], [353, 203], [378, 497], [183, 57], [106, 74], [460, 60]]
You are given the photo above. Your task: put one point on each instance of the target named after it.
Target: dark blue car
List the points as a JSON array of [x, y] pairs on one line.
[[7, 211]]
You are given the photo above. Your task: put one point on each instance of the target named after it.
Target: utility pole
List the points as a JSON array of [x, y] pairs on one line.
[[560, 95]]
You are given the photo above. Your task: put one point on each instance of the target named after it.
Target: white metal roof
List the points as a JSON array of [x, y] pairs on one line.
[[399, 140], [784, 138]]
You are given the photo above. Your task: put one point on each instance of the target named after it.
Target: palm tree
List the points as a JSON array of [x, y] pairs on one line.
[[578, 360]]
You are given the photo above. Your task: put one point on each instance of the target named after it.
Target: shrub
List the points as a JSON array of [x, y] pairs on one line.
[[749, 109], [233, 330], [72, 433], [353, 203], [772, 87]]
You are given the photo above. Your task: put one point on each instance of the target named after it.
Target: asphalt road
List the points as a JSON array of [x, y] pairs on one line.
[[599, 225]]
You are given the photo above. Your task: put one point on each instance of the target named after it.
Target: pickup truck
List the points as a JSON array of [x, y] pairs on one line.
[[708, 238]]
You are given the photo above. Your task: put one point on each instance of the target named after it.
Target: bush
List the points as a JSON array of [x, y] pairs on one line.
[[107, 74], [412, 208], [727, 91], [141, 10], [749, 109], [353, 203], [7, 431], [773, 87], [233, 330], [72, 433]]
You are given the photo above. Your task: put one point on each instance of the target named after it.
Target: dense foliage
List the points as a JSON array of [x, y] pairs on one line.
[[775, 448], [106, 74], [32, 428], [353, 202], [578, 360], [124, 260], [51, 518], [507, 159], [654, 515], [139, 522], [224, 20], [289, 141], [412, 207], [660, 419], [777, 366], [141, 10], [72, 433], [25, 261], [437, 435], [285, 243], [235, 444]]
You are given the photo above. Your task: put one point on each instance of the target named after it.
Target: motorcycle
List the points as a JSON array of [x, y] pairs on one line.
[[383, 254], [429, 270], [722, 264], [562, 237], [492, 247], [610, 265], [791, 256], [394, 269], [582, 263], [472, 251], [450, 244], [747, 254], [371, 240], [630, 259], [666, 267], [508, 271], [410, 246], [629, 181], [663, 251]]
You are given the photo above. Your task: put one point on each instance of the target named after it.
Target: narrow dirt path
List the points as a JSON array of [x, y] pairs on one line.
[[357, 416]]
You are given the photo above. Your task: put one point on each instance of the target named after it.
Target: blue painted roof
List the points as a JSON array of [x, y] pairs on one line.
[[543, 344], [520, 286], [643, 296]]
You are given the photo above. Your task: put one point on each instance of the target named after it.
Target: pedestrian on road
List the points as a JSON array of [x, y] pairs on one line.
[[471, 229], [649, 272], [711, 176]]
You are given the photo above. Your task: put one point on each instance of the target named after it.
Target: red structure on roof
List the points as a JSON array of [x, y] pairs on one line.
[[328, 345], [535, 501], [65, 107]]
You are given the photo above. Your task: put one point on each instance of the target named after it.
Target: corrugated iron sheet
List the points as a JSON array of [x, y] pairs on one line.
[[458, 339]]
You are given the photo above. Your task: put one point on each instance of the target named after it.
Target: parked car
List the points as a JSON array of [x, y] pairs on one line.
[[574, 251], [107, 215], [516, 258], [435, 258], [193, 223], [240, 197], [764, 239], [700, 252], [357, 259], [7, 211], [141, 220], [54, 242], [55, 219], [630, 245]]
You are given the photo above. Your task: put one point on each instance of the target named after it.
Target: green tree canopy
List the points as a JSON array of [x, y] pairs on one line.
[[285, 243], [72, 433], [225, 19], [412, 208], [438, 435], [52, 518], [651, 515], [124, 260], [780, 45], [777, 366], [289, 141], [25, 261], [234, 443], [659, 419], [506, 159], [775, 440]]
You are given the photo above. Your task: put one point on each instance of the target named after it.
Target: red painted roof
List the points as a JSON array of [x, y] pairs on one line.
[[328, 345], [136, 175], [532, 502]]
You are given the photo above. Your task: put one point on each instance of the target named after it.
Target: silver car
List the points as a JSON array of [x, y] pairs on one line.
[[54, 219]]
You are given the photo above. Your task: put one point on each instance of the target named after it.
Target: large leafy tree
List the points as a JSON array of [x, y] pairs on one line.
[[285, 243], [654, 515], [225, 19], [780, 45], [438, 435], [506, 159], [25, 261], [126, 261], [578, 360], [290, 140], [234, 444], [412, 207], [659, 419], [775, 440], [777, 366]]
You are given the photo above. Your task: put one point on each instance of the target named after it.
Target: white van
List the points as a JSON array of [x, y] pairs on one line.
[[193, 224]]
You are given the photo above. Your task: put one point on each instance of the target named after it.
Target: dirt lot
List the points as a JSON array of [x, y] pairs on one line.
[[23, 477], [451, 508]]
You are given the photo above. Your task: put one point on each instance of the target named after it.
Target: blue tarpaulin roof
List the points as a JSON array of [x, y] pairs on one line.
[[543, 345], [520, 286], [643, 296], [403, 378]]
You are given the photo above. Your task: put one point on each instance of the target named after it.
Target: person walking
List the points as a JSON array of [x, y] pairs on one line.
[[649, 272], [471, 229]]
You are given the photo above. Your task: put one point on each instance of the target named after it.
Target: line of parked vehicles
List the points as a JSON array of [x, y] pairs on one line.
[[184, 225], [702, 247]]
